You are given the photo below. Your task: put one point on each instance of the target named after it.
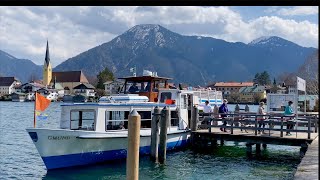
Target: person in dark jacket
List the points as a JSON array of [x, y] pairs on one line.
[[223, 109]]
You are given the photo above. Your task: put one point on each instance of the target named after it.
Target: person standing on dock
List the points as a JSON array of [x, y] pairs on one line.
[[289, 112], [261, 119], [207, 109], [223, 109]]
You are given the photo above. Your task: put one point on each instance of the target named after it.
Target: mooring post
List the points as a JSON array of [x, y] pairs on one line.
[[155, 134], [134, 124], [195, 118], [249, 149], [163, 134]]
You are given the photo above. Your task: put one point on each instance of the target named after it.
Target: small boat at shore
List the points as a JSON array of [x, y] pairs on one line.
[[97, 132]]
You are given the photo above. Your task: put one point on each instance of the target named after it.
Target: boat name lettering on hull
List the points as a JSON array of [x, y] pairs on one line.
[[59, 137]]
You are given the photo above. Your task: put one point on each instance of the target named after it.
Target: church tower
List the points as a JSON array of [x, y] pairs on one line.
[[47, 69]]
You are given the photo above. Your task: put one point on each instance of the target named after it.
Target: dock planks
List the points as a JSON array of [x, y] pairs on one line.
[[308, 169]]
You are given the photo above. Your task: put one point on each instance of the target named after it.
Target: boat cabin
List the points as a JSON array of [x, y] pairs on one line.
[[148, 86], [104, 117]]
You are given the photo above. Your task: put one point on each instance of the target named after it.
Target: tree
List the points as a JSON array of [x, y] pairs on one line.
[[274, 82], [103, 76], [262, 79], [256, 78], [309, 71]]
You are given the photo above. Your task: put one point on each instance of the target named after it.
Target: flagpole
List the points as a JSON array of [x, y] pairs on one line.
[[34, 111]]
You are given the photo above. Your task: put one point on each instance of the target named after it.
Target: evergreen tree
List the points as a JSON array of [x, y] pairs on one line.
[[256, 78], [103, 76], [274, 82], [262, 79]]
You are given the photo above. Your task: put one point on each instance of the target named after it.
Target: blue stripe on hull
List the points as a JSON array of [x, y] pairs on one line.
[[55, 162]]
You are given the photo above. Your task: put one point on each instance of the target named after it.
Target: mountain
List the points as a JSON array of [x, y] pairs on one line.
[[22, 69], [188, 59]]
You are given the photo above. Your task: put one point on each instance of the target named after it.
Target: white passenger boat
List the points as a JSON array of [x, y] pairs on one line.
[[96, 132]]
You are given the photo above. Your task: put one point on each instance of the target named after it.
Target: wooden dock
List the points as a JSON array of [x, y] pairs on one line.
[[308, 169], [244, 128]]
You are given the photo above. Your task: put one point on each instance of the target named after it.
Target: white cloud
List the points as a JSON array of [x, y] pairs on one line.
[[72, 30], [24, 35], [299, 11]]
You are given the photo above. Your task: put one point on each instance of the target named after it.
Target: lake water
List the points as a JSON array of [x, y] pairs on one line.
[[19, 158]]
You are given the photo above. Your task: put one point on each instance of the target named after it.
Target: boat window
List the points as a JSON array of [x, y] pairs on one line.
[[116, 120], [145, 119], [174, 118], [82, 120], [164, 96]]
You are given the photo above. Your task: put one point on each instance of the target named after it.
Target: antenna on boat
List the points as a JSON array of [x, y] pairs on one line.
[[133, 70]]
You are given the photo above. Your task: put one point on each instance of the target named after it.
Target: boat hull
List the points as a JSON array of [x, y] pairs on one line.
[[67, 148]]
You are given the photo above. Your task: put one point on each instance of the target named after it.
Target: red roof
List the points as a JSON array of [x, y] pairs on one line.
[[233, 84]]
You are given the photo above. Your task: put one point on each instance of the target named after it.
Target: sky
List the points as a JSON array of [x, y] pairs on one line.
[[73, 30]]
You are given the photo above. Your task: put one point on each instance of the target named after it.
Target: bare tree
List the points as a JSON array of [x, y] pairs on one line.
[[310, 72], [287, 78]]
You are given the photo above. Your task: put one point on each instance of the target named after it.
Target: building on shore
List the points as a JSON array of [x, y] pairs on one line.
[[252, 94], [8, 85], [230, 90], [69, 79], [86, 90]]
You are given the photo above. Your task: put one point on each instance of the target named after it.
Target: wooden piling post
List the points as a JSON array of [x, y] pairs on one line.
[[134, 124], [195, 118], [163, 134], [155, 134]]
